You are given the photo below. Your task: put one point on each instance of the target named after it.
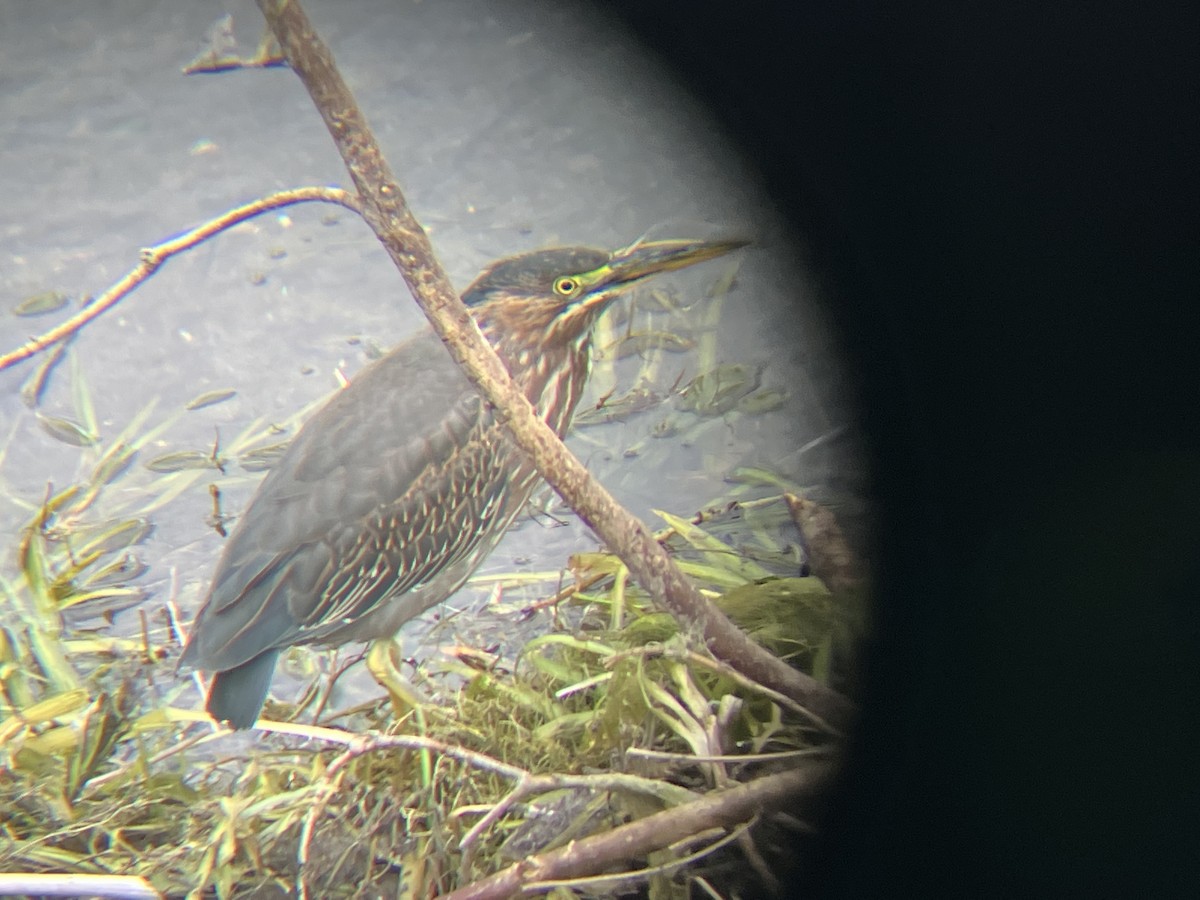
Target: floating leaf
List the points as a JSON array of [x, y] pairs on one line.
[[211, 398], [718, 576], [35, 384], [105, 603], [182, 460], [67, 430], [264, 457], [124, 568], [111, 536], [40, 304], [718, 390], [716, 552]]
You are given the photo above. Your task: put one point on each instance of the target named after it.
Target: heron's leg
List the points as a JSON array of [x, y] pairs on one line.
[[381, 663]]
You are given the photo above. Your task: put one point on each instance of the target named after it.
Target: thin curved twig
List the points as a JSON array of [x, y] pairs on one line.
[[152, 258]]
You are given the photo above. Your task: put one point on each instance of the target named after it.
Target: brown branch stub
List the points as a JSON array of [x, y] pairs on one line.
[[830, 555], [387, 213]]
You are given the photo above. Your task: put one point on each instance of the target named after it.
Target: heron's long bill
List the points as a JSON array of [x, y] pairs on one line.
[[639, 261]]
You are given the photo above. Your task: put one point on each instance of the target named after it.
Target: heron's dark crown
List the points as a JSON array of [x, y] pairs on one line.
[[532, 274]]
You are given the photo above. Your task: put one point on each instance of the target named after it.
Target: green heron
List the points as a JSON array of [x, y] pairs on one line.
[[397, 489]]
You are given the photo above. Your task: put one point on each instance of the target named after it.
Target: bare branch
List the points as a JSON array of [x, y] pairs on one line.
[[387, 213], [724, 809], [153, 257]]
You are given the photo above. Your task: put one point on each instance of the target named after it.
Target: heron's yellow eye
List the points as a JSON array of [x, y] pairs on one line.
[[565, 286]]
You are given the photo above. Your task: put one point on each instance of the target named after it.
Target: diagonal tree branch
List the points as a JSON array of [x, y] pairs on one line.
[[388, 215]]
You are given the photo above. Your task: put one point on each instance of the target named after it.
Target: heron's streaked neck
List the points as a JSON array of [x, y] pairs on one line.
[[549, 359], [534, 328]]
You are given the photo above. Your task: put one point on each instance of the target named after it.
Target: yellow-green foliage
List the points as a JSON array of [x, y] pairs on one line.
[[101, 773]]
